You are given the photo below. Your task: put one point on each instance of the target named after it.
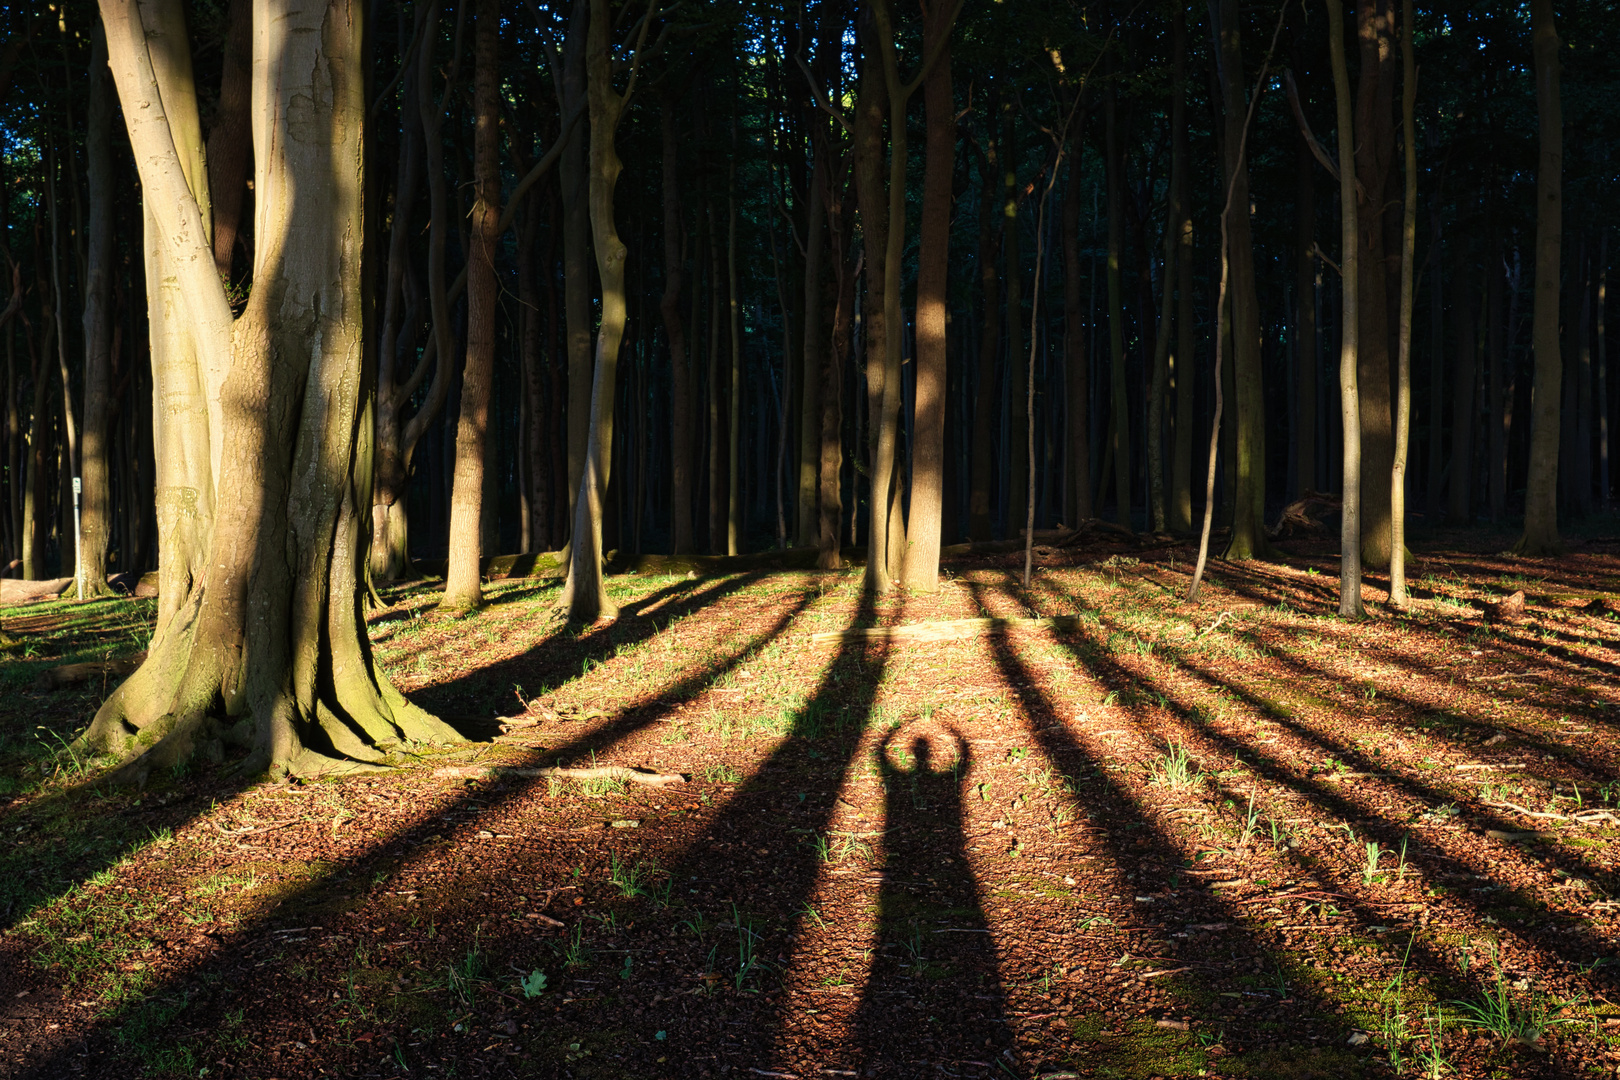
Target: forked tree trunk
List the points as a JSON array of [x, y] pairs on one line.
[[462, 590], [268, 651], [923, 527], [1541, 487], [94, 459], [1350, 603], [584, 594]]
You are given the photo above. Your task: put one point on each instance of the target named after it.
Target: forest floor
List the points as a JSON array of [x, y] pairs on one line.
[[1244, 838]]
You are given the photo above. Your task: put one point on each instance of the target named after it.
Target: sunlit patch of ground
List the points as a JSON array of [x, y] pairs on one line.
[[1244, 838]]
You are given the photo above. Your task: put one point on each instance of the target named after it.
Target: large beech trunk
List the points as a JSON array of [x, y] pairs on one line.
[[266, 650], [462, 583]]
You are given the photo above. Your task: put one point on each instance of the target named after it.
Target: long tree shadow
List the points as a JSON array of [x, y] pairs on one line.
[[933, 998], [1573, 945], [203, 989], [1148, 861]]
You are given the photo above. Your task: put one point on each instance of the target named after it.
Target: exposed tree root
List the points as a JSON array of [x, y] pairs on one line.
[[599, 772]]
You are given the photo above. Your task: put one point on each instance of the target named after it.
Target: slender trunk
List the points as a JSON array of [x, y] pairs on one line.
[[1350, 603], [1541, 486], [1119, 445], [717, 453], [1403, 396], [680, 436], [1076, 362], [1498, 382], [734, 508], [572, 172], [1304, 319], [1604, 494], [97, 514], [1580, 414], [924, 526], [814, 349], [1248, 539], [1437, 356], [980, 504], [1463, 399], [834, 361], [874, 211], [1184, 359], [1378, 266], [1018, 418], [1174, 209]]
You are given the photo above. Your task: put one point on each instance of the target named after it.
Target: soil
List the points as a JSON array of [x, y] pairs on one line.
[[1243, 838]]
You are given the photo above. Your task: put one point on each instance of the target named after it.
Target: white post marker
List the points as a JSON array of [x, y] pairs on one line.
[[78, 560]]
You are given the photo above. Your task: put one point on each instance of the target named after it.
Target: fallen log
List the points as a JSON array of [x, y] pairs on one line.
[[945, 630], [59, 678], [598, 772], [13, 591]]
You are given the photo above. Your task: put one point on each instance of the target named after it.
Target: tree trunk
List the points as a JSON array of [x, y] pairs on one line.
[[874, 211], [1463, 405], [1304, 319], [1541, 486], [1437, 356], [981, 511], [1018, 418], [97, 512], [1174, 210], [734, 507], [273, 637], [1403, 377], [716, 396], [1248, 539], [577, 314], [230, 141], [1076, 366], [680, 436], [1350, 529], [462, 590], [1378, 266], [1184, 360], [584, 594], [924, 526], [1604, 494], [1498, 381], [814, 348], [834, 361], [1120, 433]]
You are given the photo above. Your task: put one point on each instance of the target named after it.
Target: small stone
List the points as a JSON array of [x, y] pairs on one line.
[[1357, 1038]]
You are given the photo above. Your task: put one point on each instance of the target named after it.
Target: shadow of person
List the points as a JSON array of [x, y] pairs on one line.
[[933, 998]]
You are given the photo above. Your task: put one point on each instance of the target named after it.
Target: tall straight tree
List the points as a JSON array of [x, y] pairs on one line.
[[1541, 486], [98, 326], [1350, 602], [1248, 539], [1403, 362], [923, 526], [1378, 263], [1076, 365], [584, 594], [1120, 432], [680, 379], [462, 589], [1174, 210], [268, 650]]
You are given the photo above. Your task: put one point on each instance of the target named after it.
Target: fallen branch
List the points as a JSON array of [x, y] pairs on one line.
[[57, 678], [598, 772], [945, 630]]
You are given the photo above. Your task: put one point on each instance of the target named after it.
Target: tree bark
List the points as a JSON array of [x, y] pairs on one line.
[[572, 173], [462, 589], [680, 435], [1120, 432], [981, 510], [268, 651], [734, 507], [874, 214], [924, 525], [1249, 421], [1350, 530], [94, 459], [584, 594], [1305, 267], [1541, 487], [1174, 211], [1185, 358], [814, 347], [1378, 266], [1463, 403], [1017, 366], [1403, 362]]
